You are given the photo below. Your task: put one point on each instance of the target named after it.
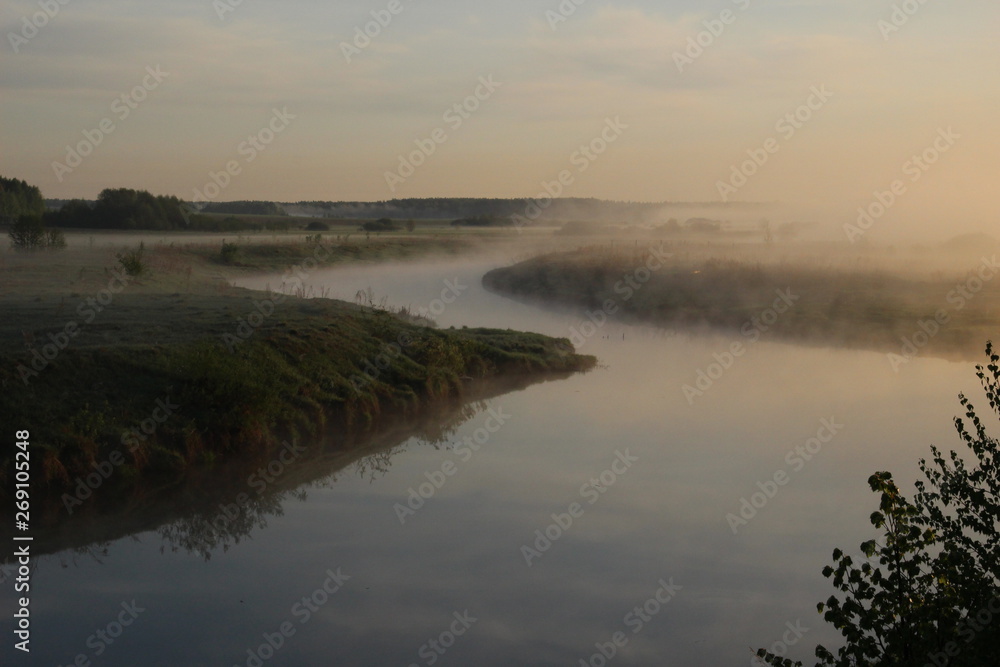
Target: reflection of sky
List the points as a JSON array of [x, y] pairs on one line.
[[662, 519]]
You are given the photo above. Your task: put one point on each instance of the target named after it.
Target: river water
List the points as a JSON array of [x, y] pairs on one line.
[[598, 519]]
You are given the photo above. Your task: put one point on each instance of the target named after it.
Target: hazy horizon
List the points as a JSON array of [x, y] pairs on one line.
[[337, 112]]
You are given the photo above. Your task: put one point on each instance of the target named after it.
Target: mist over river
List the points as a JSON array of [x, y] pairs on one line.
[[605, 518]]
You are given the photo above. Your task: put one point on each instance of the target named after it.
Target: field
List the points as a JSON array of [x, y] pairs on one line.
[[93, 356]]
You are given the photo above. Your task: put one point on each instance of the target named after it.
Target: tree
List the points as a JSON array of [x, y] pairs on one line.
[[123, 208], [29, 233], [933, 596], [17, 198]]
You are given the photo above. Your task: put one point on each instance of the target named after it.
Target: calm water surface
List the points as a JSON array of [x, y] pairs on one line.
[[450, 584]]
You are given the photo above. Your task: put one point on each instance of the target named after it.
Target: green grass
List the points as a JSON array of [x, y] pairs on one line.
[[245, 254], [291, 377], [172, 336]]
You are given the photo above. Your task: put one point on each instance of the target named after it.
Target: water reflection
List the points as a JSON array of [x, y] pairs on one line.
[[215, 509], [664, 519]]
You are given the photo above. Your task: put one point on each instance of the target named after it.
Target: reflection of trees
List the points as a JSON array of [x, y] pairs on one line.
[[373, 466], [434, 433], [229, 522], [206, 531], [217, 509]]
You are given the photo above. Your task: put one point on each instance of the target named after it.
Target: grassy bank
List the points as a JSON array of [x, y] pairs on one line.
[[177, 370], [246, 254], [188, 510], [865, 308]]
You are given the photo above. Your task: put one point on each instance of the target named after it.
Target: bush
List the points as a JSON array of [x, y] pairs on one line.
[[229, 252], [928, 591], [29, 233], [317, 227], [54, 239], [133, 261], [380, 225]]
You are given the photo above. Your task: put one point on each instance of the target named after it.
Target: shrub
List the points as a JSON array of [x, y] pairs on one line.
[[29, 233], [229, 252], [54, 239], [317, 227], [928, 590], [133, 261], [380, 225]]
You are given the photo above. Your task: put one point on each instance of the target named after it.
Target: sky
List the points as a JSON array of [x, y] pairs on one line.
[[642, 101]]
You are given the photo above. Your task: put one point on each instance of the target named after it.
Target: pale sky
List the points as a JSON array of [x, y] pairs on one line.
[[678, 128]]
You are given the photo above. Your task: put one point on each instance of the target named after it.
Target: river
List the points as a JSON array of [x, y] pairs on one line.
[[606, 518]]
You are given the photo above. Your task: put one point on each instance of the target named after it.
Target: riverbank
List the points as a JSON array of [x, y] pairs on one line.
[[903, 313], [133, 376]]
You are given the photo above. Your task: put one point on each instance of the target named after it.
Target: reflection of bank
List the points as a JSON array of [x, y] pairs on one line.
[[216, 508], [464, 451]]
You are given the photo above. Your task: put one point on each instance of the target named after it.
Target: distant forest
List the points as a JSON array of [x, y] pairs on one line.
[[17, 199], [453, 208], [244, 208], [122, 208]]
